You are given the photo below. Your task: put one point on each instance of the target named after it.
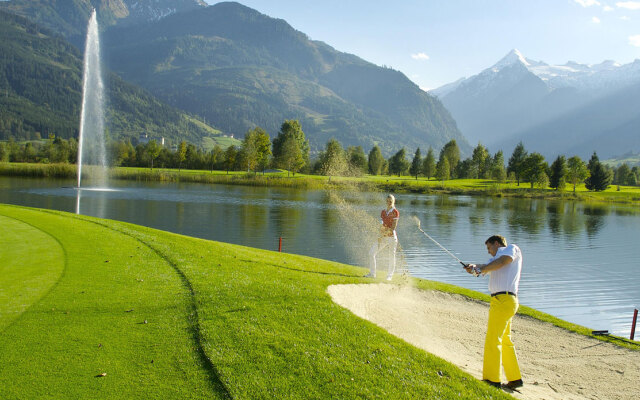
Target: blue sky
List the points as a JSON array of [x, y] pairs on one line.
[[436, 42]]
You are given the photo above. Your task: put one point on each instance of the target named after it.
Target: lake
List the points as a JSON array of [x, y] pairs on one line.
[[579, 259]]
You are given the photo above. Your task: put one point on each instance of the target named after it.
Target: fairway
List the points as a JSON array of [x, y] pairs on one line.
[[130, 312]]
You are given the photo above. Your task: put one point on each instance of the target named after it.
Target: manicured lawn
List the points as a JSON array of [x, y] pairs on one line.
[[167, 316]]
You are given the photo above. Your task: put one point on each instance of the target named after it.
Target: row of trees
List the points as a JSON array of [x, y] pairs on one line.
[[290, 150]]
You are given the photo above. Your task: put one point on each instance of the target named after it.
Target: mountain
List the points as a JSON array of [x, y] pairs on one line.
[[69, 17], [545, 106], [609, 125], [41, 89], [240, 68]]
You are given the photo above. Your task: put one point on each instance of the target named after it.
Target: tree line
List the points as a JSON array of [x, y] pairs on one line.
[[289, 150]]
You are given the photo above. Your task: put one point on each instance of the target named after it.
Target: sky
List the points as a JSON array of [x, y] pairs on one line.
[[434, 42]]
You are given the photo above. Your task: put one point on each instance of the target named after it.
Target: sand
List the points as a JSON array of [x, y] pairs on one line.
[[555, 363]]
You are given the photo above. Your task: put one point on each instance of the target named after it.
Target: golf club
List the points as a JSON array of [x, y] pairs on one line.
[[442, 247]]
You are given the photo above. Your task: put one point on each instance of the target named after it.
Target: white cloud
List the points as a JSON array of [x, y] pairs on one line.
[[634, 40], [625, 18], [629, 5], [420, 56], [587, 3], [595, 20], [607, 8]]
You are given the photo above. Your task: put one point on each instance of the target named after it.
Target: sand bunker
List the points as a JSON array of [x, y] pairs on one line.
[[555, 363]]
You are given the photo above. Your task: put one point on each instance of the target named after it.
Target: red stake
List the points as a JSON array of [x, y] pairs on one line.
[[633, 325], [280, 245]]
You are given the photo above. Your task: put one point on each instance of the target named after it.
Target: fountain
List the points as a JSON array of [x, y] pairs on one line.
[[91, 146]]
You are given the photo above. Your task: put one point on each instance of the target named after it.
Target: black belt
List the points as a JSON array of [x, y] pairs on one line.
[[509, 293]]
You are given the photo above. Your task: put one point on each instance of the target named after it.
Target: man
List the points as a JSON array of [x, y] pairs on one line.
[[504, 268], [388, 238]]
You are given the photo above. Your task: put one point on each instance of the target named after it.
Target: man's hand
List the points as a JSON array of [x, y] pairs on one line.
[[473, 269]]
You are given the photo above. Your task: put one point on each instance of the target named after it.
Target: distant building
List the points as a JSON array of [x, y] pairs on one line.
[[144, 139]]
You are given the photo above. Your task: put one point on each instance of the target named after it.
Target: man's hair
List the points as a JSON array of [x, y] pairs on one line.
[[497, 238]]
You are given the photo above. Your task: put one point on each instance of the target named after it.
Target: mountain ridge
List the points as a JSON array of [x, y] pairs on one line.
[[517, 99], [195, 50]]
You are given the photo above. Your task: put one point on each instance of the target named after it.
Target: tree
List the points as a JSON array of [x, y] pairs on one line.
[[416, 164], [230, 156], [398, 163], [558, 173], [497, 167], [292, 158], [216, 157], [291, 139], [480, 158], [256, 148], [181, 154], [333, 161], [4, 153], [452, 153], [443, 168], [357, 160], [516, 161], [429, 164], [466, 169], [621, 176], [576, 171], [152, 151], [534, 169], [376, 161], [600, 177]]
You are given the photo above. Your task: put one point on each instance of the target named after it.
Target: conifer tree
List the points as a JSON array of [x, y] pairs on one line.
[[600, 177], [429, 164], [516, 161], [558, 173], [416, 164], [376, 161]]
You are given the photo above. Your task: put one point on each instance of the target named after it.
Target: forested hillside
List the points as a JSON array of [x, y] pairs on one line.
[[241, 69], [41, 84]]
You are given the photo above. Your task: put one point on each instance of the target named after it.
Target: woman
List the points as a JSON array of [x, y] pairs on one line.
[[387, 239]]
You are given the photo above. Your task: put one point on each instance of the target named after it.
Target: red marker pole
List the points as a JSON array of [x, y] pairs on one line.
[[280, 245], [633, 325]]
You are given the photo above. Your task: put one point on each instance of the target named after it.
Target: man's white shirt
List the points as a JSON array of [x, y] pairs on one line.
[[507, 278]]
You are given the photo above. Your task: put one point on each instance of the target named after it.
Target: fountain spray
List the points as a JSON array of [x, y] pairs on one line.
[[91, 147]]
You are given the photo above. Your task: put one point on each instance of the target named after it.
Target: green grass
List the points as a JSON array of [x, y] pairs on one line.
[[168, 316], [221, 321]]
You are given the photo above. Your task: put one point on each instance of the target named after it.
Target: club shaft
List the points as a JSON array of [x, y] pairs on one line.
[[441, 246]]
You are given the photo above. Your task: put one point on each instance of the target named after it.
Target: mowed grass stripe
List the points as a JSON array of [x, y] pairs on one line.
[[119, 310], [31, 262], [273, 331], [192, 315]]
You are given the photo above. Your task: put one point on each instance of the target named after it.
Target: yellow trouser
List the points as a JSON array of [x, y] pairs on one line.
[[498, 345]]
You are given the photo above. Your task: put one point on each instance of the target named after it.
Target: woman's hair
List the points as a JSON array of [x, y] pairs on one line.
[[393, 200], [497, 238]]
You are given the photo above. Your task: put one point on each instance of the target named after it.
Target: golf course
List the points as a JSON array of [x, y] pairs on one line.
[[94, 308]]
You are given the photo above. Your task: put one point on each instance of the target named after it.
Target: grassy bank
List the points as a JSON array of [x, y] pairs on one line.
[[396, 184], [115, 310]]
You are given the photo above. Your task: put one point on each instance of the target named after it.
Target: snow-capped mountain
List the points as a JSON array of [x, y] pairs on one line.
[[515, 95]]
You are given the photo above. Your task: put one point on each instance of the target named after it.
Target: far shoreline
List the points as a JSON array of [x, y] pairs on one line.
[[625, 195]]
